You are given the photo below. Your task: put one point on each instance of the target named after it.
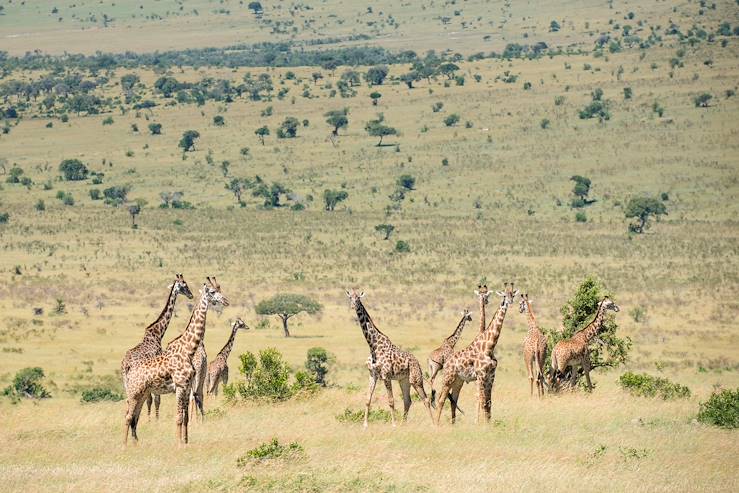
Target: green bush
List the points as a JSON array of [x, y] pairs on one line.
[[98, 394], [27, 384], [721, 409], [581, 217], [596, 109], [271, 451], [349, 416], [648, 386], [402, 246], [73, 170], [317, 363], [267, 378]]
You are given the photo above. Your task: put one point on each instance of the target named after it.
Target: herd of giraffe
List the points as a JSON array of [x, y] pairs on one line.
[[149, 370]]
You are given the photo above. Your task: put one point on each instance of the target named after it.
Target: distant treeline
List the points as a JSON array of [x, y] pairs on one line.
[[243, 55]]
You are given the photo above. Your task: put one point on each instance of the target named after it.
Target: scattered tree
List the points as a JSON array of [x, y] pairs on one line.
[[317, 363], [385, 229], [289, 128], [135, 209], [376, 75], [73, 170], [448, 69], [255, 7], [451, 120], [187, 142], [406, 181], [375, 96], [641, 209], [155, 128], [702, 100], [337, 119], [376, 128], [262, 132], [331, 198], [286, 306]]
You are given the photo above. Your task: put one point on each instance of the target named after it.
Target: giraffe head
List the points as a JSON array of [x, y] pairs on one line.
[[239, 324], [354, 297], [523, 305], [213, 292], [482, 293], [466, 315], [507, 295], [181, 287], [608, 304]]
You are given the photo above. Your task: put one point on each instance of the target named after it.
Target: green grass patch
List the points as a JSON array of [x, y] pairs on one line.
[[270, 451], [648, 386]]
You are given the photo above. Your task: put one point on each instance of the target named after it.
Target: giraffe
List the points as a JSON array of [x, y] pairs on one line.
[[218, 368], [387, 362], [534, 348], [173, 369], [476, 362], [151, 345], [437, 358], [483, 295], [574, 352]]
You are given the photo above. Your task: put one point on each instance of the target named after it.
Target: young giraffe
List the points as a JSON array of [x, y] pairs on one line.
[[151, 345], [173, 369], [438, 356], [218, 368], [574, 352], [387, 362], [534, 348], [476, 362]]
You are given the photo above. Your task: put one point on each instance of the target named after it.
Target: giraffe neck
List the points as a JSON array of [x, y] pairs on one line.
[[371, 333], [482, 314], [533, 326], [493, 332], [229, 344], [195, 331], [157, 329], [594, 327], [452, 339]]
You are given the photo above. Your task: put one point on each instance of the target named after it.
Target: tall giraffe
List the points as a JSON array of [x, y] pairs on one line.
[[173, 369], [200, 364], [574, 352], [218, 368], [483, 295], [387, 362], [151, 345], [476, 362], [534, 348], [439, 355]]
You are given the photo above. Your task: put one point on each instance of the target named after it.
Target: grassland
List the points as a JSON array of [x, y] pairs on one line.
[[498, 211]]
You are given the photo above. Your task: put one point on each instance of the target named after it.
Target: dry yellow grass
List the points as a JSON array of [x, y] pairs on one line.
[[113, 279]]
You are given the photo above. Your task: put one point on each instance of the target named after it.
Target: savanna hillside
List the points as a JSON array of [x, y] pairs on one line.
[[476, 180]]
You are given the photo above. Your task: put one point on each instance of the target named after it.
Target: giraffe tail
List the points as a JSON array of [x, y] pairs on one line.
[[453, 401]]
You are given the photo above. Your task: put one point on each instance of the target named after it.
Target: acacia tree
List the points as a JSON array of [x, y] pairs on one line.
[[337, 119], [376, 128], [642, 208], [385, 229], [72, 170], [256, 7], [375, 96], [376, 75], [286, 306], [262, 132], [135, 209], [448, 69], [580, 190]]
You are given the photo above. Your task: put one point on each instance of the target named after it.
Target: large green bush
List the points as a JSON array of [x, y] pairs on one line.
[[648, 386], [27, 384], [318, 362], [721, 409], [98, 394], [267, 377]]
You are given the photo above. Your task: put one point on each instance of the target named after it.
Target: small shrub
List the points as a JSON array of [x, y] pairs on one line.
[[108, 121], [628, 93], [451, 120], [638, 314], [27, 384], [98, 394], [317, 363], [375, 415], [155, 128], [73, 170], [721, 409], [272, 450], [581, 217], [267, 378], [218, 121], [648, 386], [40, 205], [402, 246], [544, 124], [4, 218], [702, 100]]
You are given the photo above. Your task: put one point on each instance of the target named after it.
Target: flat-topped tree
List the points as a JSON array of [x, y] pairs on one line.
[[187, 142], [642, 208], [286, 306], [262, 132], [377, 128]]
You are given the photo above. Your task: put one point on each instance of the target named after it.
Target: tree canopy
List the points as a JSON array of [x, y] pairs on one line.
[[286, 306], [73, 170], [642, 208]]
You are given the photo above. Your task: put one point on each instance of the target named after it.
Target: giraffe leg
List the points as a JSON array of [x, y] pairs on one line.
[[405, 388], [135, 403], [456, 389], [442, 398], [157, 402], [480, 397], [427, 402], [148, 406], [531, 379], [434, 368], [182, 395], [372, 384], [390, 399], [489, 397], [224, 378], [586, 370]]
